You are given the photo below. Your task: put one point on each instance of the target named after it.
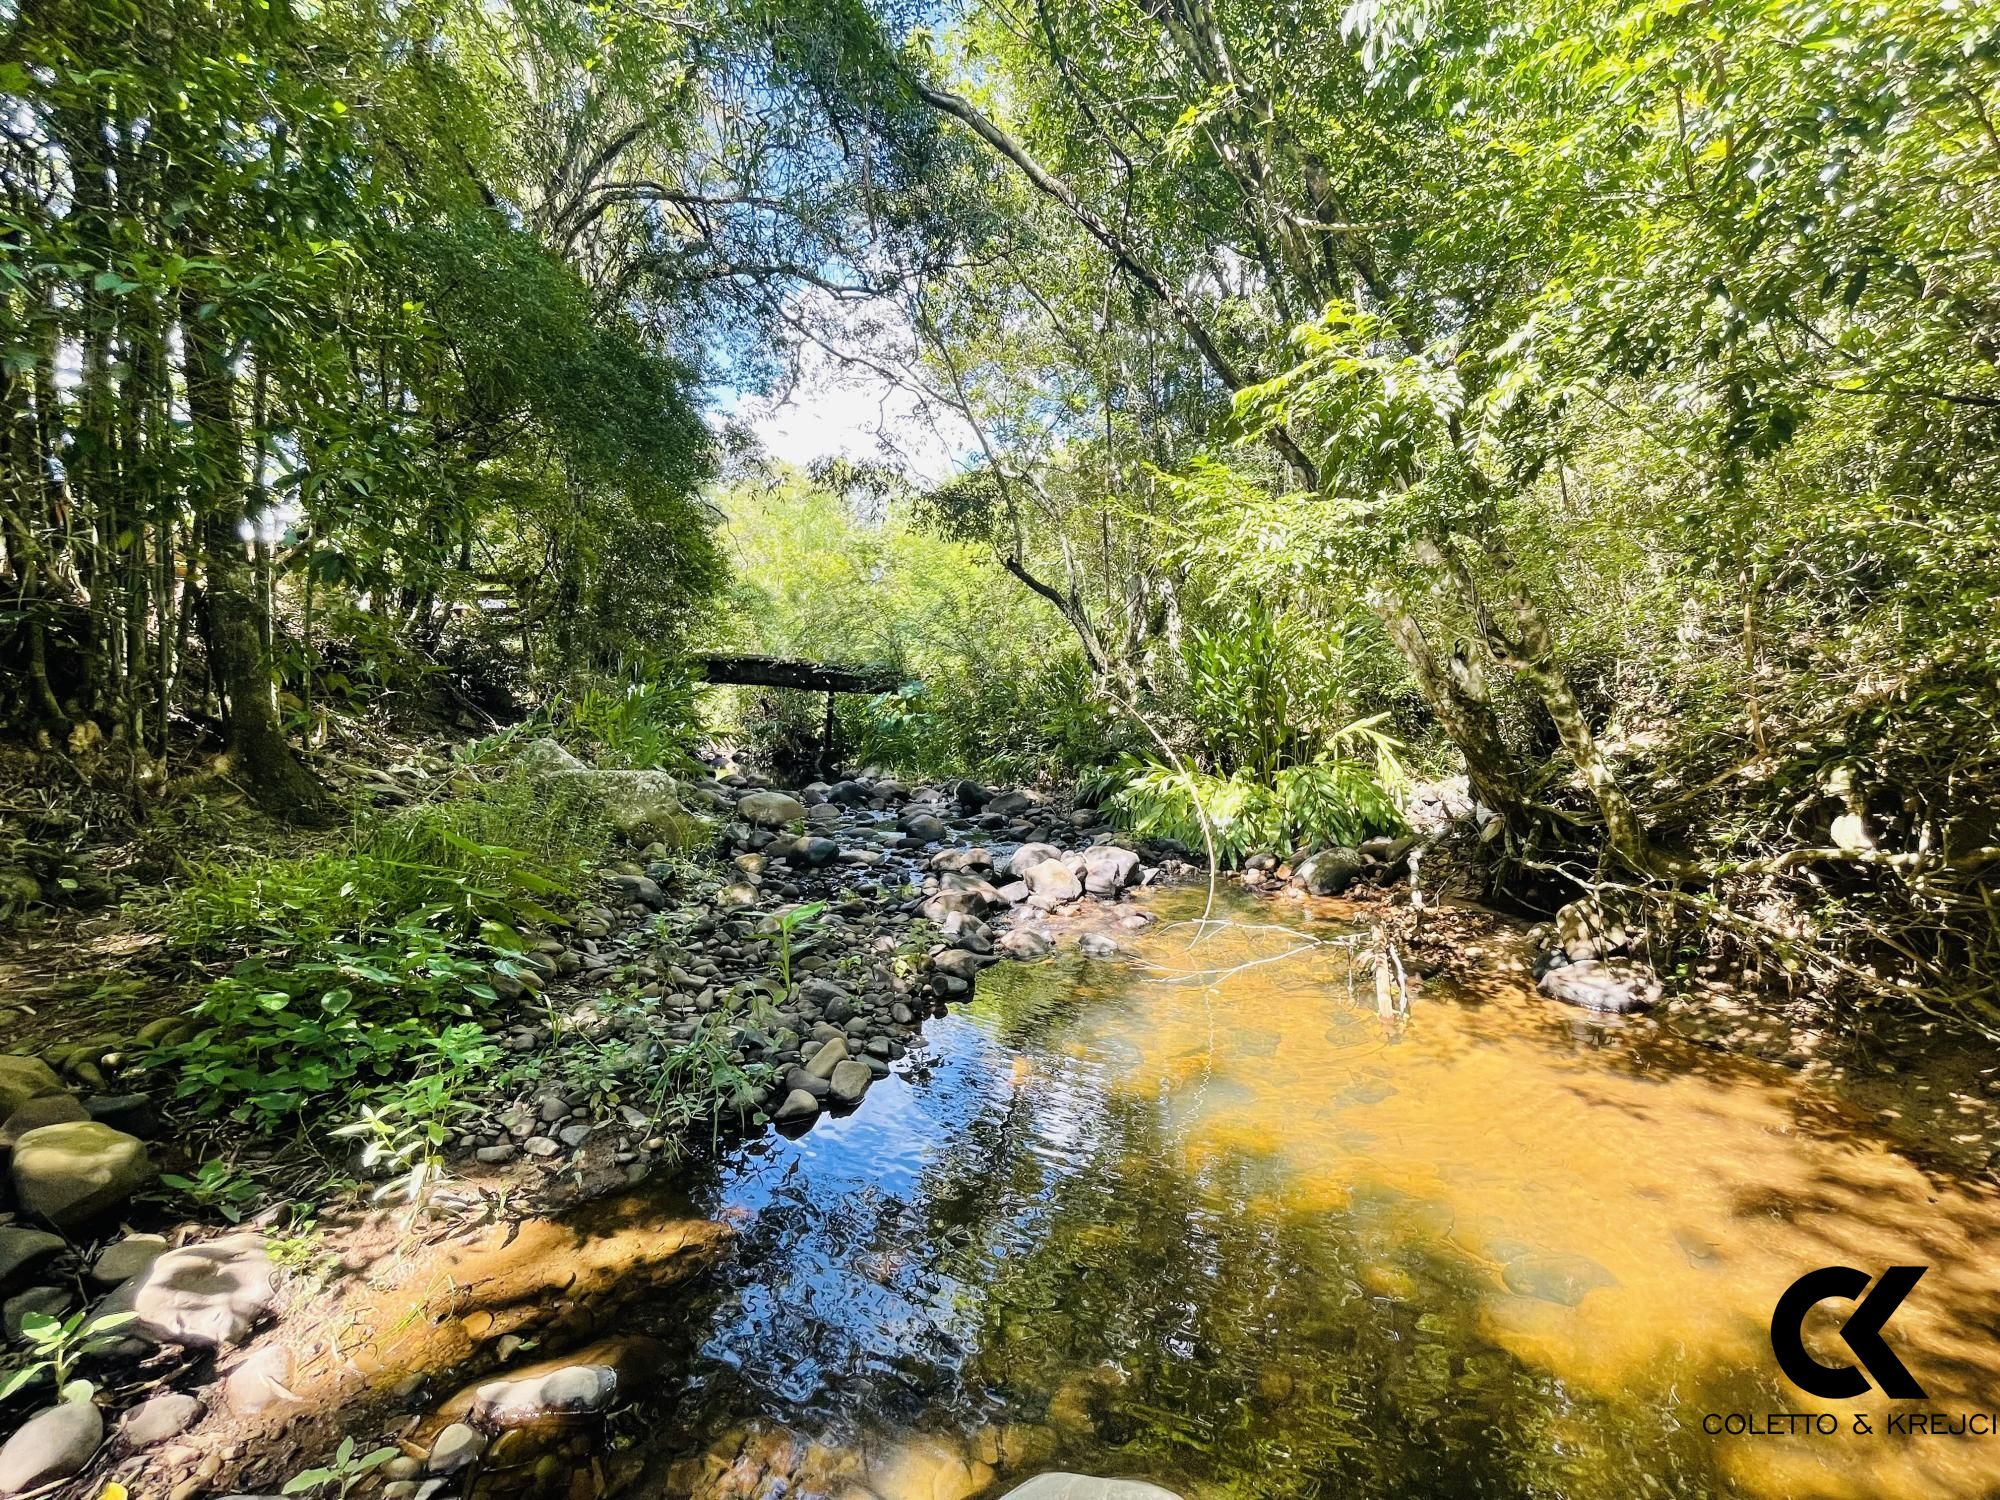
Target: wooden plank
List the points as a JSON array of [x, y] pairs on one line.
[[793, 672]]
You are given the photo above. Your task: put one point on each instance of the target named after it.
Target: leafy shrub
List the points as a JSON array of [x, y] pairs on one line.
[[505, 853], [1327, 802], [320, 1031], [368, 966], [639, 726]]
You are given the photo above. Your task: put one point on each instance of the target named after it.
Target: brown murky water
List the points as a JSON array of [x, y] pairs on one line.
[[1200, 1215]]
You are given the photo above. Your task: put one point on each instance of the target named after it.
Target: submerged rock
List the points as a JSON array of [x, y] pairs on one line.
[[568, 1390], [1562, 1279], [1617, 986]]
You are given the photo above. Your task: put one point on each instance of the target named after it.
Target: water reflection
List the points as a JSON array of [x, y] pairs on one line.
[[1203, 1217]]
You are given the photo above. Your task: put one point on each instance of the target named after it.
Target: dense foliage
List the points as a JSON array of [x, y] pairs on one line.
[[1602, 401]]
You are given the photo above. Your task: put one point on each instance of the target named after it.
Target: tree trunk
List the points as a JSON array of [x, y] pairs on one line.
[[1464, 711], [239, 660]]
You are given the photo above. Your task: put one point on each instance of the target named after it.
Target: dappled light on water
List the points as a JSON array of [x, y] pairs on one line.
[[1204, 1214]]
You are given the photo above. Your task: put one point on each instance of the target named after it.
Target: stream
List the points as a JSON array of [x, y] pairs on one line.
[[1201, 1214]]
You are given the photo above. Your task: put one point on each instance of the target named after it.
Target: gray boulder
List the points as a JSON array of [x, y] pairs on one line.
[[205, 1296], [770, 809], [1617, 986], [1061, 1486], [922, 827], [568, 1390], [1027, 857], [25, 1251], [50, 1446], [1107, 869], [850, 1081], [1025, 943], [1330, 871], [1008, 803], [1052, 883], [802, 1104], [815, 851], [127, 1258], [455, 1448], [71, 1173], [159, 1418]]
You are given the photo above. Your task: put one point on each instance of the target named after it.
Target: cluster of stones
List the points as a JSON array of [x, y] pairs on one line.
[[916, 889], [73, 1173]]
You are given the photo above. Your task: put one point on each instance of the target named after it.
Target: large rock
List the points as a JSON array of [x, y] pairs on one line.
[[922, 827], [1588, 928], [544, 756], [22, 1079], [1009, 803], [850, 1081], [73, 1172], [1615, 985], [822, 1063], [126, 1258], [801, 1104], [566, 1391], [25, 1251], [1026, 943], [966, 895], [1052, 883], [455, 1448], [44, 1109], [1061, 1486], [1330, 871], [1027, 857], [645, 806], [770, 809], [960, 861], [50, 1446], [815, 851], [205, 1296], [1107, 869]]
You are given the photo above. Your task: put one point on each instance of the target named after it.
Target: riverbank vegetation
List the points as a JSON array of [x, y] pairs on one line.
[[1598, 406]]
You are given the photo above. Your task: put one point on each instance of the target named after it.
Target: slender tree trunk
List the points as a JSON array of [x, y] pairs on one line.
[[240, 662]]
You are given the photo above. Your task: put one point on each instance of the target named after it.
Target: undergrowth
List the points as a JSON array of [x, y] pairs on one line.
[[366, 972], [1327, 802]]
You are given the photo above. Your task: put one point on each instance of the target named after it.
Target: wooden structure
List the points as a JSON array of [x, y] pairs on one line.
[[793, 672], [830, 678]]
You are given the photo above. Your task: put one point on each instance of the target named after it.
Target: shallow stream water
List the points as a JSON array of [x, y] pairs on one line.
[[1200, 1214]]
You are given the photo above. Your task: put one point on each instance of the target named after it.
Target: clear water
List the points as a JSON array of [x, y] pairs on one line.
[[1201, 1215]]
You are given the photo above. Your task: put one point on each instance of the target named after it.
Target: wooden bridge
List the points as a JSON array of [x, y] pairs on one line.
[[806, 676], [795, 672]]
